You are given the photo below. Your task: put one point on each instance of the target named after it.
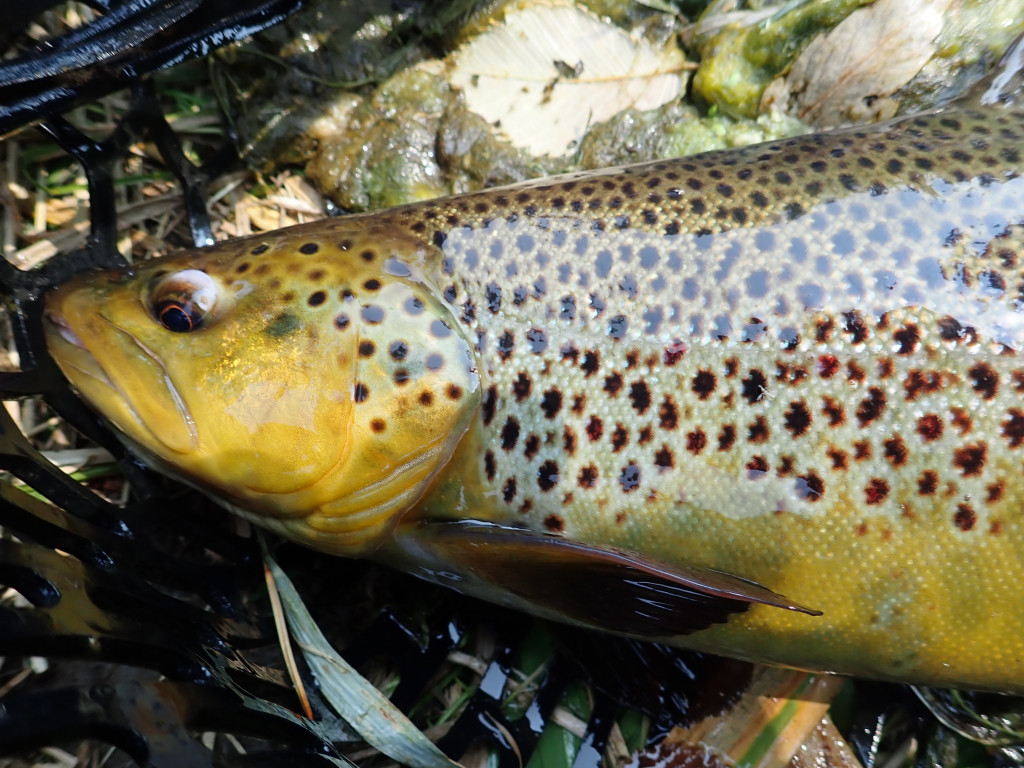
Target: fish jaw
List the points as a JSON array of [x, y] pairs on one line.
[[132, 369]]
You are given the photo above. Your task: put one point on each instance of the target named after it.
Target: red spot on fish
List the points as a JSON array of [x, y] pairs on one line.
[[620, 437], [674, 352], [961, 420], [835, 411], [727, 437], [838, 457], [668, 414], [785, 466], [758, 431], [828, 365], [929, 427], [757, 468], [994, 492], [895, 451], [876, 491], [965, 518], [696, 441], [970, 459], [919, 382]]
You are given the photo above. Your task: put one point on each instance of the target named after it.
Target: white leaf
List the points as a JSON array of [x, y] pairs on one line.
[[547, 72]]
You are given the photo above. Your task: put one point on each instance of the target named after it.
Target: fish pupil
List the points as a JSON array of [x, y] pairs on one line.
[[179, 317]]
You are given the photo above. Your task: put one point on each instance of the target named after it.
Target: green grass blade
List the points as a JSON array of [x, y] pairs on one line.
[[362, 706]]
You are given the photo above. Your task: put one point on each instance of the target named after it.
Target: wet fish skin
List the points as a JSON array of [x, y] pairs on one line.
[[795, 363]]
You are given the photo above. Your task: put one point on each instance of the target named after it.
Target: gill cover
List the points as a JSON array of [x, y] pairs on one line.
[[311, 379]]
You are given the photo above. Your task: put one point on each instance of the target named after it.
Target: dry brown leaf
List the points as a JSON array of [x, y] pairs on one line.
[[845, 76]]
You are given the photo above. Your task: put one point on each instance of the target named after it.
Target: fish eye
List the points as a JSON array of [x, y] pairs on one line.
[[177, 316], [182, 301]]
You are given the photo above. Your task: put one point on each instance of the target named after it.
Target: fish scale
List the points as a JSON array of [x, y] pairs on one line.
[[793, 364], [796, 393]]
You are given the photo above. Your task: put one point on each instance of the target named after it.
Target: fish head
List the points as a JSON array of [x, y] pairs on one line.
[[312, 379]]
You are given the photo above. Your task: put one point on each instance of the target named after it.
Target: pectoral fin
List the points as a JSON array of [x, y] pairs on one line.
[[599, 587]]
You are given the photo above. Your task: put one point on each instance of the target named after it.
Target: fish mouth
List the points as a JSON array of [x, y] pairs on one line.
[[126, 391], [65, 330], [84, 361]]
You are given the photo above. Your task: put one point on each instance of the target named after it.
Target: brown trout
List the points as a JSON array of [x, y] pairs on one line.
[[653, 399]]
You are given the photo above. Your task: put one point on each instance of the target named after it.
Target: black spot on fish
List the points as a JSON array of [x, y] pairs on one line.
[[985, 380], [568, 310], [551, 403], [538, 340], [798, 418], [640, 396], [508, 491], [871, 407], [522, 386], [510, 433], [506, 344], [727, 437], [704, 384], [755, 386], [547, 476], [809, 487], [493, 296], [613, 383], [489, 405], [617, 326], [629, 478], [398, 350], [907, 338], [554, 523]]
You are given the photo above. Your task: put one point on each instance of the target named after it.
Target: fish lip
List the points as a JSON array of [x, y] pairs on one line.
[[66, 331]]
